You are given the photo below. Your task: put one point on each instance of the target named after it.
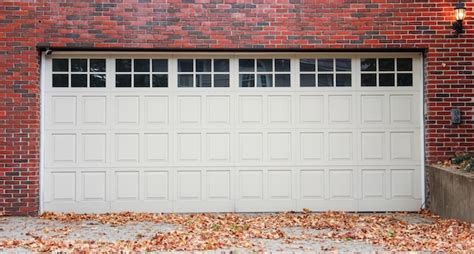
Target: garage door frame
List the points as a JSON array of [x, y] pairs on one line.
[[250, 54]]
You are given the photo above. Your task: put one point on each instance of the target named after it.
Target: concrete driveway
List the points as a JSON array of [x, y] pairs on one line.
[[275, 232]]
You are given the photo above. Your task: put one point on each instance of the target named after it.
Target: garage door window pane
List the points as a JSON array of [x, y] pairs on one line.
[[160, 65], [282, 80], [264, 65], [60, 64], [60, 80], [307, 65], [123, 80], [325, 80], [404, 79], [97, 65], [79, 80], [221, 80], [386, 79], [141, 80], [307, 80], [404, 64], [78, 65], [386, 64], [246, 65], [160, 80], [141, 65], [325, 64], [97, 80], [369, 79], [343, 80], [203, 80], [282, 65], [343, 64], [185, 80], [123, 65], [185, 65], [247, 80], [203, 65], [221, 65], [368, 64], [264, 80]]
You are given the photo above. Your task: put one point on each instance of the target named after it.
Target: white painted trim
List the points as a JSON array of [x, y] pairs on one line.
[[42, 137], [422, 129]]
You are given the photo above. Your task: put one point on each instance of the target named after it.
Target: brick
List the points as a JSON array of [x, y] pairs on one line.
[[191, 24]]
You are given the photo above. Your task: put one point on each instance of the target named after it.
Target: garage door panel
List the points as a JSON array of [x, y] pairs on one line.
[[312, 146], [403, 109], [219, 110], [189, 110], [341, 146], [340, 109], [157, 110], [250, 109], [341, 182], [61, 111], [279, 109], [126, 111], [94, 148], [94, 111], [62, 148], [126, 148], [279, 146], [156, 147], [311, 109], [373, 109], [250, 146]]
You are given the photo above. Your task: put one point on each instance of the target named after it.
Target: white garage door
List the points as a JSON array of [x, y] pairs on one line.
[[231, 132]]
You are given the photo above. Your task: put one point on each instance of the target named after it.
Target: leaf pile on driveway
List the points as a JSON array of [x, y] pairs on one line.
[[233, 230]]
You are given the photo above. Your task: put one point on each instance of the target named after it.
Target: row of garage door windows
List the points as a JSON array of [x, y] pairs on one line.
[[327, 72]]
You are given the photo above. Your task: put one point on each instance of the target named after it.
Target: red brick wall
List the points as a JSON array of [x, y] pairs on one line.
[[220, 24]]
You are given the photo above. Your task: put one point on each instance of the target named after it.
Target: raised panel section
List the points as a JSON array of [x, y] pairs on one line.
[[156, 147], [373, 183], [189, 146], [251, 184], [372, 108], [279, 109], [250, 108], [218, 146], [94, 186], [156, 185], [94, 110], [64, 186], [312, 145], [279, 184], [401, 145], [189, 185], [127, 147], [340, 184], [218, 184], [311, 109], [312, 184], [189, 109], [372, 145], [279, 146], [94, 147], [63, 110], [401, 108], [402, 183], [127, 110], [250, 146], [127, 185], [340, 109], [340, 146], [64, 148], [156, 109], [218, 109]]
